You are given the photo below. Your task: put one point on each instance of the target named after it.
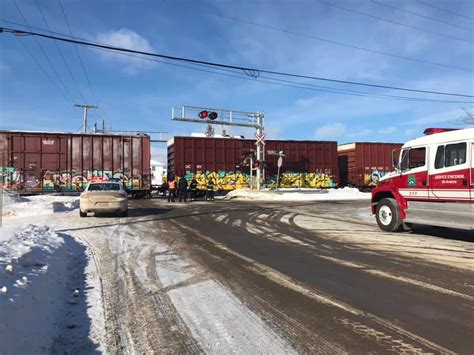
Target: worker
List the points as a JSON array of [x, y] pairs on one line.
[[171, 189], [193, 188], [210, 190], [182, 189], [164, 188]]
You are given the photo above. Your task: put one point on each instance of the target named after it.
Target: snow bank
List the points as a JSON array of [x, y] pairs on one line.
[[346, 193], [16, 205], [42, 286]]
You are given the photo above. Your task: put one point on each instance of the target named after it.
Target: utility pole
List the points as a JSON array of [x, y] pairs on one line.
[[260, 151], [85, 108]]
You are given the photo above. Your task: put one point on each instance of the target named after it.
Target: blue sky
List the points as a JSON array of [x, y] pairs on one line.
[[134, 94]]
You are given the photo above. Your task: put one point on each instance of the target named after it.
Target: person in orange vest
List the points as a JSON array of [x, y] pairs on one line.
[[171, 189]]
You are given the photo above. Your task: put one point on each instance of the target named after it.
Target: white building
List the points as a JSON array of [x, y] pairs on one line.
[[158, 171]]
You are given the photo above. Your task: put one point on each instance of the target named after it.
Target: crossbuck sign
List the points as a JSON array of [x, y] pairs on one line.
[[260, 138]]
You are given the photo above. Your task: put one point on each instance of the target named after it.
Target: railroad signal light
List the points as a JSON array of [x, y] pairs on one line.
[[208, 115]]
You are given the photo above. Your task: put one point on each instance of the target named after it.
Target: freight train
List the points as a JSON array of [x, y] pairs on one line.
[[38, 162], [362, 164], [310, 164]]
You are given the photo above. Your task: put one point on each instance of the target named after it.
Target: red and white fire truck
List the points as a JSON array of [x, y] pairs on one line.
[[433, 183]]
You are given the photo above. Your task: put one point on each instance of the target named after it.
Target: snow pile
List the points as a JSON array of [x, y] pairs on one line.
[[346, 193], [16, 205], [42, 303]]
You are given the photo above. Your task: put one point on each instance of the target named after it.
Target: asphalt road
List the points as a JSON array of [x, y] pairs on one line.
[[321, 276]]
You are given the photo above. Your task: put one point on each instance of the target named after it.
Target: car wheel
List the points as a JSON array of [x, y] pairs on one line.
[[82, 214], [388, 215]]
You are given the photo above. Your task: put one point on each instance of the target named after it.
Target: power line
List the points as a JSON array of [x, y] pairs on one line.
[[61, 53], [67, 93], [420, 15], [444, 10], [344, 44], [246, 72], [79, 55], [288, 83], [394, 22], [228, 66], [43, 70]]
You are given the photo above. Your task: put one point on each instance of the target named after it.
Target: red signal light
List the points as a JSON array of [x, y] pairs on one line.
[[203, 114]]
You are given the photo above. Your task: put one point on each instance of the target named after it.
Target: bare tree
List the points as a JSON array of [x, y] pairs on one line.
[[468, 117]]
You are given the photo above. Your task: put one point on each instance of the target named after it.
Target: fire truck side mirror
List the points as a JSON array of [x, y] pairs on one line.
[[395, 156]]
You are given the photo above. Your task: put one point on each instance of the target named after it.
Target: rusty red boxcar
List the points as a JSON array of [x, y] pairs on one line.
[[306, 164], [361, 164], [45, 161]]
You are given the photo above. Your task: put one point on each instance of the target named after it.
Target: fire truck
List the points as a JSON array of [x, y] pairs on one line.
[[432, 183]]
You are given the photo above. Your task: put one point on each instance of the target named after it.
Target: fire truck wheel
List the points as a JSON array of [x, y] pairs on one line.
[[388, 215]]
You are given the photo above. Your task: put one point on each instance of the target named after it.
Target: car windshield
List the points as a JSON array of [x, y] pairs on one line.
[[104, 187]]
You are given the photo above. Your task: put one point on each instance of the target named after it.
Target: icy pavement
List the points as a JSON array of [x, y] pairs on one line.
[[346, 193], [87, 285], [218, 320]]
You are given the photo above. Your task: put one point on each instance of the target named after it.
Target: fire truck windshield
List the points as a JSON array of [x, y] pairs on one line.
[[413, 158]]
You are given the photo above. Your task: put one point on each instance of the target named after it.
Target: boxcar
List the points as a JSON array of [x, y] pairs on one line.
[[361, 164], [37, 162], [306, 164]]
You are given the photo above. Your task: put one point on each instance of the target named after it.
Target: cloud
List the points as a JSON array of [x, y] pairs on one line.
[[331, 131], [127, 39], [388, 130]]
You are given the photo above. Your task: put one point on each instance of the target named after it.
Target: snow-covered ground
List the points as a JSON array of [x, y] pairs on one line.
[[346, 193], [16, 205], [47, 283]]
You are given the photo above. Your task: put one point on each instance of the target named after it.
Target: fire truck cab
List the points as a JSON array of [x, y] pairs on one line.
[[433, 183]]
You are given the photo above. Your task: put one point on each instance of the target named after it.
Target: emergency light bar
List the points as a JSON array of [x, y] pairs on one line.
[[430, 131]]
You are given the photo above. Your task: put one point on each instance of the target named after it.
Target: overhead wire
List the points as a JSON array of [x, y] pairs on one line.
[[78, 54], [45, 72], [444, 10], [228, 66], [281, 82], [287, 83], [61, 53], [337, 6], [66, 91], [420, 15], [374, 51], [254, 73]]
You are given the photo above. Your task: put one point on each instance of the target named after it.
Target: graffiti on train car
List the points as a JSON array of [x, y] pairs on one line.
[[372, 179], [223, 180], [303, 180], [232, 180], [45, 181]]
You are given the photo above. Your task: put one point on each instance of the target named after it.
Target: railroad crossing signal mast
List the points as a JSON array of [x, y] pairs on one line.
[[224, 117]]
